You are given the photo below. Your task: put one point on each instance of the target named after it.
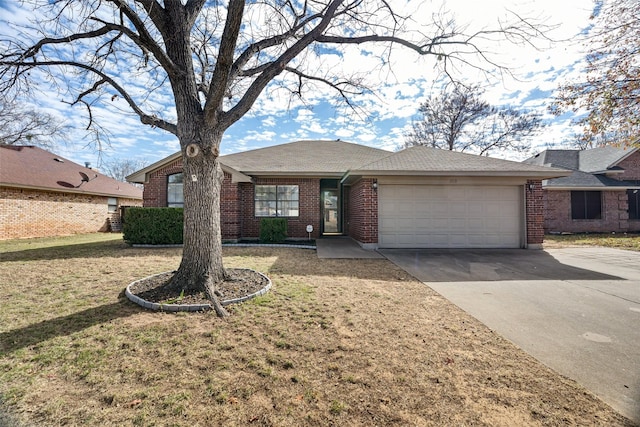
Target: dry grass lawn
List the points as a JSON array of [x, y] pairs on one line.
[[629, 242], [336, 342]]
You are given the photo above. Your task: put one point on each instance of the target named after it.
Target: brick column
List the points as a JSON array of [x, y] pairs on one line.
[[534, 214]]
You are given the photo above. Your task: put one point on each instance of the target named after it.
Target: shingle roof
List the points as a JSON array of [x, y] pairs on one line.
[[567, 159], [592, 160], [421, 160], [602, 158], [589, 167], [33, 167], [304, 158], [337, 158], [579, 179]]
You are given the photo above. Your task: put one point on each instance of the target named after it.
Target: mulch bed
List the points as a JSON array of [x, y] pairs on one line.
[[242, 282]]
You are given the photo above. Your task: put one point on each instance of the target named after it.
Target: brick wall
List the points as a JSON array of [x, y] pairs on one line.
[[155, 191], [361, 215], [535, 212], [237, 206], [33, 213], [309, 194], [557, 213], [631, 166]]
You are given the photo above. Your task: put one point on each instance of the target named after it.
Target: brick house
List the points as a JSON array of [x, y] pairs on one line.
[[418, 197], [42, 194], [602, 193]]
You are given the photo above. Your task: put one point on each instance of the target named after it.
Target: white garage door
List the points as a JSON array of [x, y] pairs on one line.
[[449, 216]]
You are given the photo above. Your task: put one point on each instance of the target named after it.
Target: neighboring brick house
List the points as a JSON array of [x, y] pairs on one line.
[[42, 194], [418, 197], [602, 193]]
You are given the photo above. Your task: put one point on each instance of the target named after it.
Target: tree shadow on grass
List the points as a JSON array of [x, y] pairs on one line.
[[60, 326], [111, 248]]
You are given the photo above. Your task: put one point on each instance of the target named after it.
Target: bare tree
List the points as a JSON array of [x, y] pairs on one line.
[[217, 58], [608, 93], [459, 120], [28, 126], [119, 169]]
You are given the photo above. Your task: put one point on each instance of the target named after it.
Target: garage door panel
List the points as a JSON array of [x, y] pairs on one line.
[[441, 216]]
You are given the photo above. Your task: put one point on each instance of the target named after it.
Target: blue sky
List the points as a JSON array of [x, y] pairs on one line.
[[389, 109]]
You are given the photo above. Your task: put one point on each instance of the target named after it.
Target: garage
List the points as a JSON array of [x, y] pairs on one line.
[[450, 216]]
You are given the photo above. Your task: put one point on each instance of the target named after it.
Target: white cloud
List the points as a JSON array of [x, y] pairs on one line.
[[397, 87]]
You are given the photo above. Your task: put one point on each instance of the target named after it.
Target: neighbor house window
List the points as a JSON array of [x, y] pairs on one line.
[[586, 205], [277, 200], [175, 198], [634, 204], [112, 204]]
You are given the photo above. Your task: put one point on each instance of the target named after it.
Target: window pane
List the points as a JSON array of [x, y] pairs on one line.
[[175, 197], [112, 204], [577, 205], [265, 192], [287, 192], [288, 208], [634, 204], [265, 208], [594, 204], [175, 178], [586, 205], [276, 200]]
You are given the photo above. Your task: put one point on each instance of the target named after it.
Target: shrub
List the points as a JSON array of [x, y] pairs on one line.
[[153, 226], [273, 230]]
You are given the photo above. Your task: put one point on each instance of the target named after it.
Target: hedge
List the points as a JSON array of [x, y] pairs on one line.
[[273, 230], [153, 226]]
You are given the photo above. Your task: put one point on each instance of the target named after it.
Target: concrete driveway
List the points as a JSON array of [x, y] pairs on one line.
[[577, 310]]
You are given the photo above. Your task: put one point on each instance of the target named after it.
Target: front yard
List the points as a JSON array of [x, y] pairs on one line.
[[336, 342], [625, 241]]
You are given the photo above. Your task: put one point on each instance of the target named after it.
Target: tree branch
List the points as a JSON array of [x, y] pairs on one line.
[[220, 78], [276, 67], [144, 118]]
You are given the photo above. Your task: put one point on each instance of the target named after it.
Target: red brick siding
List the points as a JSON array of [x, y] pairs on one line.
[[309, 193], [557, 208], [631, 166], [534, 212], [361, 216], [155, 191], [230, 210], [615, 205], [34, 213]]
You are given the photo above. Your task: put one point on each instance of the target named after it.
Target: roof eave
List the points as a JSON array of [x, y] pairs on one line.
[[587, 188], [314, 174], [631, 151], [523, 174], [69, 190], [141, 176]]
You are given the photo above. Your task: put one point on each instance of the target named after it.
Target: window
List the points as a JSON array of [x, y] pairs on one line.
[[277, 200], [175, 198], [634, 204], [112, 204], [586, 205]]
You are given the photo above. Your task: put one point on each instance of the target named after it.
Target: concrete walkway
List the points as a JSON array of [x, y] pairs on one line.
[[342, 247], [577, 310]]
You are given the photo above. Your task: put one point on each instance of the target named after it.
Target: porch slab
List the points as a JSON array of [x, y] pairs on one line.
[[343, 248]]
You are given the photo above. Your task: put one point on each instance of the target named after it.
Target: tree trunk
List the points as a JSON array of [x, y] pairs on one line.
[[201, 267]]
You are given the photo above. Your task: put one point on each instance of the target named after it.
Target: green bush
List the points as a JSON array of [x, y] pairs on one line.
[[273, 230], [153, 226]]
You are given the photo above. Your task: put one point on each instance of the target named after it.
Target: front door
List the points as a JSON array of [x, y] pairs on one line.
[[331, 211]]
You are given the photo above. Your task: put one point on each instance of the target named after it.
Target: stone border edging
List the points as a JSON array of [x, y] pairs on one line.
[[190, 307], [233, 245]]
